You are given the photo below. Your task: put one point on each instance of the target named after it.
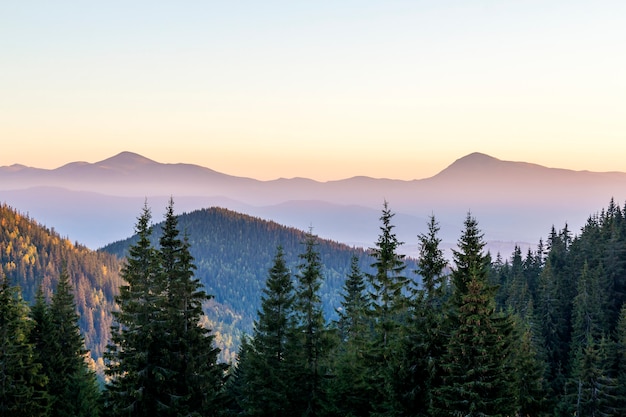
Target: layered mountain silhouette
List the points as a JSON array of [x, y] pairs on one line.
[[514, 202]]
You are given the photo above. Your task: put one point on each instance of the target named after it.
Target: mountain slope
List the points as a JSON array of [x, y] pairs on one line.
[[233, 253], [32, 255]]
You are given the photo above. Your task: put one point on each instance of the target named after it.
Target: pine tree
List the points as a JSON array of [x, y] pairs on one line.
[[263, 362], [196, 383], [350, 390], [353, 321], [591, 389], [478, 375], [551, 323], [389, 313], [22, 385], [620, 403], [312, 340], [519, 294], [162, 362], [72, 386], [431, 263], [134, 356], [237, 380], [530, 383], [425, 341]]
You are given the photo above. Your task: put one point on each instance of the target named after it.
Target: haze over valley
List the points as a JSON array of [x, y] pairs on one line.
[[515, 202]]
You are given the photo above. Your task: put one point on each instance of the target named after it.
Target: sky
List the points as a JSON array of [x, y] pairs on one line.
[[325, 89]]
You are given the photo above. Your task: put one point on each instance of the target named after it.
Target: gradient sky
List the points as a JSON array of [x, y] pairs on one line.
[[318, 89]]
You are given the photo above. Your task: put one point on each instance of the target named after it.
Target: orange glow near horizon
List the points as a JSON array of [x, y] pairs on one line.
[[389, 90]]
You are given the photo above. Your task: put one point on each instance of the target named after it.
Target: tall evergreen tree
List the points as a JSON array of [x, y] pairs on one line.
[[263, 362], [552, 325], [134, 356], [22, 385], [591, 389], [162, 362], [72, 386], [196, 383], [478, 374], [431, 263], [353, 321], [350, 390], [389, 313], [312, 338], [531, 386], [425, 341], [620, 359]]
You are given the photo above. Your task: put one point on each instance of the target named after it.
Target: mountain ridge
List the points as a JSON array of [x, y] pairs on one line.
[[514, 201], [132, 160]]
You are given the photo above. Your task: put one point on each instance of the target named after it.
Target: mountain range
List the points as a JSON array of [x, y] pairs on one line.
[[514, 202]]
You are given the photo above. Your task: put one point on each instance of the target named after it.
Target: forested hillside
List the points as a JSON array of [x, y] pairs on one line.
[[32, 255], [539, 334], [572, 292], [342, 331], [233, 253]]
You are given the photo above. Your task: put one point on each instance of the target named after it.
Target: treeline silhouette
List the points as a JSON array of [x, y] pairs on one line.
[[541, 333]]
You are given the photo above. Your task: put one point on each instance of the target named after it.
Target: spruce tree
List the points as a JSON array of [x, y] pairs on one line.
[[389, 315], [425, 341], [72, 386], [353, 321], [590, 389], [431, 263], [135, 355], [161, 361], [530, 383], [478, 376], [620, 359], [196, 382], [312, 340], [22, 385], [350, 390], [264, 367]]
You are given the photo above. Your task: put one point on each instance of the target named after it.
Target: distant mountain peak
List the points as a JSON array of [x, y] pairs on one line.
[[126, 159], [476, 158], [483, 167], [471, 163]]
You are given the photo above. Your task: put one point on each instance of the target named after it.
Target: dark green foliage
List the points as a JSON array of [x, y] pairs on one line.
[[478, 376], [312, 341], [262, 376], [353, 321], [540, 335], [133, 356], [529, 382], [161, 361], [72, 386], [32, 256], [22, 385], [425, 341], [194, 379], [350, 391], [233, 253], [431, 264], [389, 315], [620, 362], [590, 391]]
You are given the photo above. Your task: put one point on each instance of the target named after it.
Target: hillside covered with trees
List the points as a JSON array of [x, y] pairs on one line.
[[232, 254], [537, 334], [33, 255]]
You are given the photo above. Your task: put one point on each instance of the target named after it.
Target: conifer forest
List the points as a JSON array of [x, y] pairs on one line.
[[541, 333]]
